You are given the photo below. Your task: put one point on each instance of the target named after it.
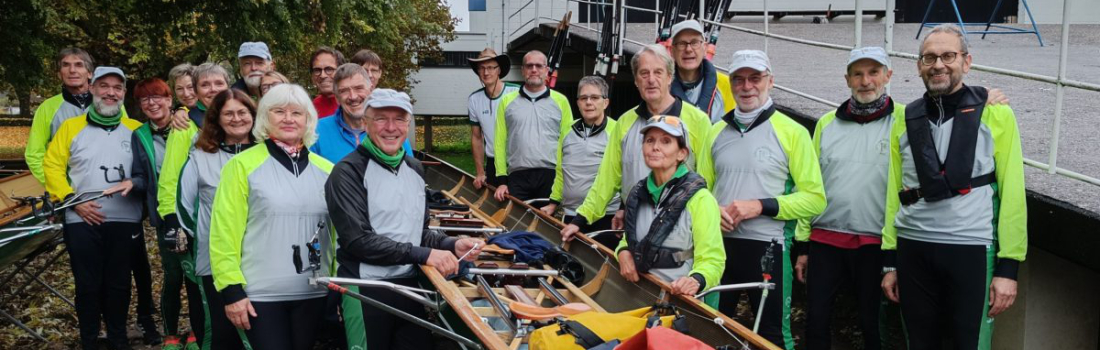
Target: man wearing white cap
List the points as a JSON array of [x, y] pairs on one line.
[[843, 243], [491, 69], [377, 203], [697, 81], [255, 60], [762, 168], [89, 155]]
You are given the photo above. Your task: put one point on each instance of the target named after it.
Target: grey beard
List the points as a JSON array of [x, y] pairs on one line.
[[104, 110], [253, 81]]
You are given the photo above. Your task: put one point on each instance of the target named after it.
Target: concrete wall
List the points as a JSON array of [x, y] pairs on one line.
[[444, 91], [1050, 12], [1057, 306]]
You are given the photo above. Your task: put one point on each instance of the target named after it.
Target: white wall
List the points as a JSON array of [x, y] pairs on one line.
[[1050, 12], [444, 91]]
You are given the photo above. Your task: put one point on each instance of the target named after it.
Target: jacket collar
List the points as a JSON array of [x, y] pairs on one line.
[[296, 165], [764, 116], [544, 94], [674, 110], [579, 128]]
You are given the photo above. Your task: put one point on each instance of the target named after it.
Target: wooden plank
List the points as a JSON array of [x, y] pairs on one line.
[[500, 215], [458, 186], [579, 295], [593, 286], [464, 310]]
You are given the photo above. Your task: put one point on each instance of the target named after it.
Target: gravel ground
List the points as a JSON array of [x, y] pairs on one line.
[[819, 72]]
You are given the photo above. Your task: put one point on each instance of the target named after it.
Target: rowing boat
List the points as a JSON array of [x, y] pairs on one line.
[[603, 289]]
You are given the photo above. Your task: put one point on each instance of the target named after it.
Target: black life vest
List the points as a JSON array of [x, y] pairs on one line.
[[649, 252], [939, 181]]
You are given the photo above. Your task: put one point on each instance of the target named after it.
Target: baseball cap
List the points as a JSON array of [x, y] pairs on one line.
[[690, 24], [754, 59], [254, 48], [103, 71], [388, 98], [669, 124], [875, 53]]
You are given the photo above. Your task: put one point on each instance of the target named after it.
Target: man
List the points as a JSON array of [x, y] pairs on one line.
[[491, 69], [956, 217], [373, 64], [623, 165], [322, 68], [376, 199], [535, 119], [852, 143], [255, 60], [761, 166], [697, 81], [338, 136], [91, 154], [74, 67]]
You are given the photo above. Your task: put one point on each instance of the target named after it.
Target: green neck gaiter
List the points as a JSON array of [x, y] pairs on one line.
[[655, 190], [200, 106], [105, 121], [393, 161]]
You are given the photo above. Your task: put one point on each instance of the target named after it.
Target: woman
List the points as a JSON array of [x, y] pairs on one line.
[[226, 131], [179, 78], [687, 248], [148, 145], [270, 79], [581, 152], [271, 197]]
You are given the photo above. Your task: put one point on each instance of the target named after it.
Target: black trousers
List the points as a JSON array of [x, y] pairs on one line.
[[143, 282], [382, 329], [100, 257], [743, 266], [286, 325], [195, 308], [610, 240], [531, 183], [491, 172], [830, 270], [223, 335], [944, 294]]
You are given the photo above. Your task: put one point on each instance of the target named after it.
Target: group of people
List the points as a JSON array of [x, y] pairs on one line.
[[705, 179]]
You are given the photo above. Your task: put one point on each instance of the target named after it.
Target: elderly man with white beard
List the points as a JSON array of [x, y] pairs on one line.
[[254, 60], [92, 154]]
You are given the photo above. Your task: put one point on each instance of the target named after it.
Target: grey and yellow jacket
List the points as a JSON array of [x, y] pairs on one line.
[[537, 123], [176, 150], [380, 214], [623, 166], [197, 185], [855, 159], [694, 238], [84, 157], [772, 160], [581, 152], [148, 149], [47, 120], [267, 202], [992, 214]]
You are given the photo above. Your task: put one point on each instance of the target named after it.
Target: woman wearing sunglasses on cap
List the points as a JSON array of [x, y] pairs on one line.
[[672, 222]]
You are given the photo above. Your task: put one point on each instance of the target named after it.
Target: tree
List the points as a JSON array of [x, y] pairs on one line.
[[147, 37]]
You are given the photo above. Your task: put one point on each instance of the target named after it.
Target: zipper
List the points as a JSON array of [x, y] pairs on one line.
[[939, 106]]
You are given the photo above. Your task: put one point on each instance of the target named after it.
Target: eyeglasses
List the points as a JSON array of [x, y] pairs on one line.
[[754, 79], [593, 98], [326, 70], [946, 57], [684, 44], [487, 68], [534, 66], [403, 120], [151, 99], [265, 87]]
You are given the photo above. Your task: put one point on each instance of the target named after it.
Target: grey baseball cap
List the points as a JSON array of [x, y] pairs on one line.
[[874, 53], [690, 24], [670, 124], [754, 59], [254, 48], [103, 71], [388, 98]]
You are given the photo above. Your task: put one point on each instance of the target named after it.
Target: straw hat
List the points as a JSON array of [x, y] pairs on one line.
[[490, 54]]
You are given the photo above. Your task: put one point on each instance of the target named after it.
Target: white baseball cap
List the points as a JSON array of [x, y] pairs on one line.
[[754, 59], [874, 53], [690, 24]]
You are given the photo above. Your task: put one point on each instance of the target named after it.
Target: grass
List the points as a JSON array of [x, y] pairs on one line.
[[450, 141], [13, 140]]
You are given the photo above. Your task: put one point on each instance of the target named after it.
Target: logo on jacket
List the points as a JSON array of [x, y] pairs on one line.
[[762, 154], [883, 146], [126, 146]]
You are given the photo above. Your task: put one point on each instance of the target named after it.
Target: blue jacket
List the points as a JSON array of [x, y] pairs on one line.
[[336, 140]]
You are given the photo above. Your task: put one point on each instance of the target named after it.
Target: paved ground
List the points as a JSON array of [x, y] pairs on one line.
[[819, 71]]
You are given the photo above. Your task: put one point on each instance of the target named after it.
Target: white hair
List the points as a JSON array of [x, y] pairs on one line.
[[656, 50], [283, 95]]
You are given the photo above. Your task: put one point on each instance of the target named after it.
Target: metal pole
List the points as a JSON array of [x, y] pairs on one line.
[[859, 24], [656, 20], [1059, 90], [888, 41], [702, 10], [765, 26]]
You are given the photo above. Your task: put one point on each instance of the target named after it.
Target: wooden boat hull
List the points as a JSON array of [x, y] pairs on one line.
[[614, 295]]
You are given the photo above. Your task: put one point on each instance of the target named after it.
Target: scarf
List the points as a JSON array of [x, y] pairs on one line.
[[291, 150], [866, 112], [110, 121], [393, 161], [655, 190], [744, 120]]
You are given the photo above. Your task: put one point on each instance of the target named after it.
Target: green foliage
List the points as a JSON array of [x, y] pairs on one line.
[[147, 37]]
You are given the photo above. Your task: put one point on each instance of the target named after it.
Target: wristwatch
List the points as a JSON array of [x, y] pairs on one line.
[[886, 270]]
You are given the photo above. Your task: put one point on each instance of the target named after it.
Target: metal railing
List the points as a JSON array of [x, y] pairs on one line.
[[1060, 81]]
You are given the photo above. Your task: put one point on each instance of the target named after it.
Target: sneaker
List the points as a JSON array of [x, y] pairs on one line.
[[149, 333], [171, 343], [192, 343]]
